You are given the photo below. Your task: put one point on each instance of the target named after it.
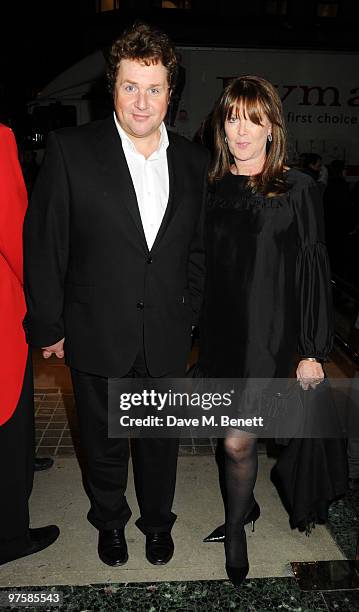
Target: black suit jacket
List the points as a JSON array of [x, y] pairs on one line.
[[89, 275]]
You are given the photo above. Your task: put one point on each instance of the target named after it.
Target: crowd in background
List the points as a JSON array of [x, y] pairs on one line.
[[341, 212]]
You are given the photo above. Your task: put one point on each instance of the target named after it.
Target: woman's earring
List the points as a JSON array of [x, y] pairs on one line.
[[225, 139], [270, 137]]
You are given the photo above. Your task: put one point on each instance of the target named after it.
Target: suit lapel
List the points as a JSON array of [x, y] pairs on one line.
[[174, 178], [113, 162], [114, 165]]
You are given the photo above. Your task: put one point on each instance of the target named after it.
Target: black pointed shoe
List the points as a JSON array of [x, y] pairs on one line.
[[218, 534], [112, 547], [159, 548], [237, 566], [237, 575], [39, 539]]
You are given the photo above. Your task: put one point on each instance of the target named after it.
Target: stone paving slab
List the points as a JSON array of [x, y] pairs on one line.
[[59, 498]]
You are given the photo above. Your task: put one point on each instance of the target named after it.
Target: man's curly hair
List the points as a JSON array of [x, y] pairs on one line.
[[143, 43]]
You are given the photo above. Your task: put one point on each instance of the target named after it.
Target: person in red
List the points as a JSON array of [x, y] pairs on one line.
[[16, 380]]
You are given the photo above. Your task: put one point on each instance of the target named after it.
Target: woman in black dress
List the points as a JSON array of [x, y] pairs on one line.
[[267, 293]]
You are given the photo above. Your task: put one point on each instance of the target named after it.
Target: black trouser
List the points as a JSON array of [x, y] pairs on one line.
[[17, 449], [154, 461]]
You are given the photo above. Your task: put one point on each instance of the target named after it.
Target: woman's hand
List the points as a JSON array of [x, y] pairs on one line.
[[309, 374]]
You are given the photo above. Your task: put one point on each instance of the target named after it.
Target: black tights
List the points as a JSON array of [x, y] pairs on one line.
[[240, 473]]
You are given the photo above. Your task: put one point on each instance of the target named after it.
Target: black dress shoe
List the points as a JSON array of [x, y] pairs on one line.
[[159, 548], [112, 547], [39, 539], [43, 463]]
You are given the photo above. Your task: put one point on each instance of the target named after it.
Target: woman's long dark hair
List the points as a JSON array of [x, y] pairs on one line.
[[257, 97]]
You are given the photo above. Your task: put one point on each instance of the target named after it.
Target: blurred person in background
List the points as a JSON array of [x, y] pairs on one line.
[[339, 220], [204, 134], [355, 199], [311, 163]]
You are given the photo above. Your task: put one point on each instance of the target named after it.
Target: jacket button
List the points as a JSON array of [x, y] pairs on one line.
[[149, 259], [140, 305]]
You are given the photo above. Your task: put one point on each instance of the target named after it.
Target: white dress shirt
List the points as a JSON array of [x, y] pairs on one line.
[[150, 180]]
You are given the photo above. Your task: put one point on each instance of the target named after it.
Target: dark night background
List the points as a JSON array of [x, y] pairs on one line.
[[40, 39]]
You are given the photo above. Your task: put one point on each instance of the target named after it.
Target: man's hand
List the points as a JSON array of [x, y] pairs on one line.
[[57, 349], [309, 374]]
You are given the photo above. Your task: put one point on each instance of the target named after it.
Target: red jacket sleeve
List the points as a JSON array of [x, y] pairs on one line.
[[13, 202]]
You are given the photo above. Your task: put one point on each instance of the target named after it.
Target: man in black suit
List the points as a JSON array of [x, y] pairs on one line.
[[114, 270]]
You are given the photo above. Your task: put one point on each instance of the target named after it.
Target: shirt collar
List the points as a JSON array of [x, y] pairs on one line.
[[129, 145]]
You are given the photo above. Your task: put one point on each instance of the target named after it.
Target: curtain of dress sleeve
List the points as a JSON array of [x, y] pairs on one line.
[[315, 329]]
